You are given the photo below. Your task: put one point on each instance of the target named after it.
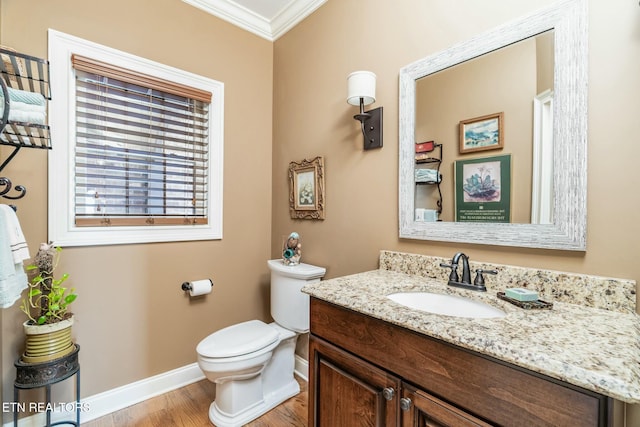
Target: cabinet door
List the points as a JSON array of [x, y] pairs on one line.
[[346, 391], [419, 409]]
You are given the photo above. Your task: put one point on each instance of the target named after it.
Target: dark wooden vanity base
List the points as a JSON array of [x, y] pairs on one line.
[[364, 371]]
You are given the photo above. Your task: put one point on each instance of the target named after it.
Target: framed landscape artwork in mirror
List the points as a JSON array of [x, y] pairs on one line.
[[481, 133]]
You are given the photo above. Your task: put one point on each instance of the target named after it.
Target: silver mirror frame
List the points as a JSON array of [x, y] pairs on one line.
[[568, 19]]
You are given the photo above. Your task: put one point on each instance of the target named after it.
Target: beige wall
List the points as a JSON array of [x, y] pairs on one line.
[[129, 295], [545, 61], [311, 117], [132, 318]]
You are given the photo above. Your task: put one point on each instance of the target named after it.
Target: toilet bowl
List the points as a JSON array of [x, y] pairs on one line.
[[252, 363]]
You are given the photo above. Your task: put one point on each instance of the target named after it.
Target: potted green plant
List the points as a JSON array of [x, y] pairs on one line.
[[48, 328]]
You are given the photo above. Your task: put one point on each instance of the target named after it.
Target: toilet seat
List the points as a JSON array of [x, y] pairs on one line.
[[237, 340]]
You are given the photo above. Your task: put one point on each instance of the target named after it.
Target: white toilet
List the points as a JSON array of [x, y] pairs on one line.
[[252, 362]]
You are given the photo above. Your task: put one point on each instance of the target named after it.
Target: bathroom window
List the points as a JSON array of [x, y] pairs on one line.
[[139, 153]]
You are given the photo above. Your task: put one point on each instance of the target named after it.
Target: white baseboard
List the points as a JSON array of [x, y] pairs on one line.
[[301, 368], [102, 404], [113, 400]]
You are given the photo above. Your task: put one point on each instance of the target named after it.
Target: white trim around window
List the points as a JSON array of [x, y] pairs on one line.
[[62, 229]]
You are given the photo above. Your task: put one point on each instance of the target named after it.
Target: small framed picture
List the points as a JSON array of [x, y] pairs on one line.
[[306, 189], [482, 133]]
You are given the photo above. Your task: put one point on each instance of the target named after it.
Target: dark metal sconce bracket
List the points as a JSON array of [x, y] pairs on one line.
[[372, 129]]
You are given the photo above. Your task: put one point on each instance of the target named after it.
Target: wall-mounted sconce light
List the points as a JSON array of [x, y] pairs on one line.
[[362, 91]]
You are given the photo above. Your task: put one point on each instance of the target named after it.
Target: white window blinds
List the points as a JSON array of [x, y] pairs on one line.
[[142, 148]]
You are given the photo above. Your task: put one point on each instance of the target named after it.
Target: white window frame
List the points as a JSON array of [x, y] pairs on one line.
[[62, 228]]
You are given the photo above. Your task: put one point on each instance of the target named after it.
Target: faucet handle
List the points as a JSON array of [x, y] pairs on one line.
[[454, 271], [479, 280]]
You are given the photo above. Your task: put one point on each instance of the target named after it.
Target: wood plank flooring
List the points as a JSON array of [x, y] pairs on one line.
[[189, 407]]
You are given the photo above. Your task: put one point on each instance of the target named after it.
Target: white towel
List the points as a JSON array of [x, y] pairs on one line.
[[33, 117], [32, 108], [26, 107], [17, 242], [13, 279], [428, 175], [26, 97]]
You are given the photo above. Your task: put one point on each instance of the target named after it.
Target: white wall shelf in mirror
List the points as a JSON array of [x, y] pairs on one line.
[[566, 228]]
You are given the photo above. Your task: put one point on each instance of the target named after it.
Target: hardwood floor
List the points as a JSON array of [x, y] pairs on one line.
[[189, 407]]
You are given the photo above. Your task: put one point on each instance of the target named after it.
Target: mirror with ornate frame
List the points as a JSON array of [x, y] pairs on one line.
[[567, 229]]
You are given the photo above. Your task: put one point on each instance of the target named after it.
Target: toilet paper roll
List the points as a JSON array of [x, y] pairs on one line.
[[200, 287]]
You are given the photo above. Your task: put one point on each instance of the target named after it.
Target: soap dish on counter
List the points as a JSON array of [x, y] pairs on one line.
[[527, 305]]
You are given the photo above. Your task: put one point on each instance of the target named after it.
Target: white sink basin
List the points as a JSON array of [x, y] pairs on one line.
[[448, 305]]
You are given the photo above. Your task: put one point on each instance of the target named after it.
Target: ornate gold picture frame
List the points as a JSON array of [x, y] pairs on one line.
[[306, 189]]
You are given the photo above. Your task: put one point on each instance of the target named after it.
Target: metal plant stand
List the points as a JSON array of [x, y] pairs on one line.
[[36, 375]]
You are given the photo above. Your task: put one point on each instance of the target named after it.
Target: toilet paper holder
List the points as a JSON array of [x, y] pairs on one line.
[[187, 287]]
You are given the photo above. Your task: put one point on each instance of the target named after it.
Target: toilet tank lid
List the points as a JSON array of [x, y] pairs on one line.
[[239, 339], [299, 271]]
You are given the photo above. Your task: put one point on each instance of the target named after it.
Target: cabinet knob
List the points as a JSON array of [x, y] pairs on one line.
[[388, 393], [405, 403]]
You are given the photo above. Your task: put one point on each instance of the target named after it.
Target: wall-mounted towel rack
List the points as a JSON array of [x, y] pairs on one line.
[[24, 82]]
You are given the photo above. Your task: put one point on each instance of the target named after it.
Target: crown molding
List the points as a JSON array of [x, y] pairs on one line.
[[293, 14], [248, 20]]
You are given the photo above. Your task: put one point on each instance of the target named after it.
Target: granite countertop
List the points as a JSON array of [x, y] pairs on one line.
[[592, 348]]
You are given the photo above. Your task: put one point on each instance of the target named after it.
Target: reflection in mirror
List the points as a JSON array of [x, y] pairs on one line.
[[507, 80], [542, 165], [533, 72]]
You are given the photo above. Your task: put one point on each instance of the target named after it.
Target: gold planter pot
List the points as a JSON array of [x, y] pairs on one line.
[[47, 342]]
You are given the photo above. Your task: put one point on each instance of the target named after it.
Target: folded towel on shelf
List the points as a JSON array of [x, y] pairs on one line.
[[428, 175], [33, 117], [31, 108], [26, 107], [13, 250], [26, 97]]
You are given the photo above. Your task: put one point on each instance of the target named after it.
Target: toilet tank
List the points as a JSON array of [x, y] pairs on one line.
[[289, 306]]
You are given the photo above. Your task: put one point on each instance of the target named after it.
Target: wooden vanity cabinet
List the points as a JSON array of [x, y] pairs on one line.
[[364, 371], [348, 391]]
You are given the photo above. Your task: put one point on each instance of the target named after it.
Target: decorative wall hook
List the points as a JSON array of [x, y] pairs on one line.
[[6, 183]]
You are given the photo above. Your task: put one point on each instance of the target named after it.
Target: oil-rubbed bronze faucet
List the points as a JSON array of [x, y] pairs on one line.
[[454, 280]]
